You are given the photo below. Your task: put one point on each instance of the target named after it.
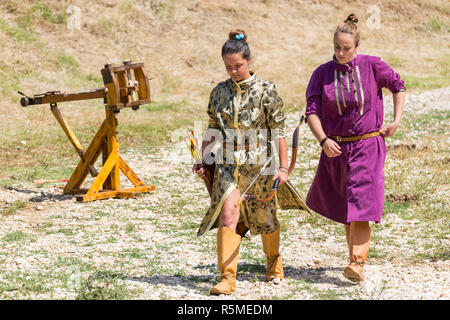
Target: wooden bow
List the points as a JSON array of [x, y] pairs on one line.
[[276, 183]]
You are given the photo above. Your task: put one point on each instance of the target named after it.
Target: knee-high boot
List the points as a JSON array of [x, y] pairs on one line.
[[228, 243], [271, 247], [359, 243]]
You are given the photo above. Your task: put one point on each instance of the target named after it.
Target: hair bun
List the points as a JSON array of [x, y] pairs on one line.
[[238, 34], [352, 19]]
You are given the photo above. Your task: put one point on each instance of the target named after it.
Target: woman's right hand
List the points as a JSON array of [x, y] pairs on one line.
[[199, 170], [331, 148]]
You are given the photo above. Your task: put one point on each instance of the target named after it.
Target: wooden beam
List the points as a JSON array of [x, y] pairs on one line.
[[91, 155], [129, 173], [104, 173]]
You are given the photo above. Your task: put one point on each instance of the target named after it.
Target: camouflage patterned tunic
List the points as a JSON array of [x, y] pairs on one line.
[[247, 115]]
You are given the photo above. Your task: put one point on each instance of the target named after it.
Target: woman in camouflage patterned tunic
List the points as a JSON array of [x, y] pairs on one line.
[[245, 119]]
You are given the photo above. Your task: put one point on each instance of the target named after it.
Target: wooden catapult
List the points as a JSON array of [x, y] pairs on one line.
[[125, 86]]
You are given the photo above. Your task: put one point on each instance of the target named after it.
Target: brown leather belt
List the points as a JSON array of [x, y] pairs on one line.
[[355, 138], [234, 147]]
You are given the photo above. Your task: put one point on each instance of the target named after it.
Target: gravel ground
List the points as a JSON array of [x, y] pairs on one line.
[[52, 246]]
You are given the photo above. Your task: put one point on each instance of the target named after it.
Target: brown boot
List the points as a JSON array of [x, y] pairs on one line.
[[271, 246], [228, 243], [359, 242], [347, 235]]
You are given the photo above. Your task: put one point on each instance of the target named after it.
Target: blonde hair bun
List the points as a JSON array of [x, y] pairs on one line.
[[349, 26]]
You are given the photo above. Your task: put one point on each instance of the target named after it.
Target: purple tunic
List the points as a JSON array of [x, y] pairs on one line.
[[349, 102]]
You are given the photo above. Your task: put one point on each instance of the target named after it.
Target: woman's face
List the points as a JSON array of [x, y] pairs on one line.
[[344, 47], [237, 67]]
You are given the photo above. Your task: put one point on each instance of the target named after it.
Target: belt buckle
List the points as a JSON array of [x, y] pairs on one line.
[[339, 139]]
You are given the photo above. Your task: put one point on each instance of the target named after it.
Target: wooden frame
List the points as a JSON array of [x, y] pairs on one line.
[[125, 86]]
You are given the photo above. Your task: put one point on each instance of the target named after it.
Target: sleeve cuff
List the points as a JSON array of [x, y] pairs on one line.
[[277, 133]]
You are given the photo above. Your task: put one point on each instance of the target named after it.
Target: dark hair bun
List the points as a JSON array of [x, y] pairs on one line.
[[238, 34], [352, 19]]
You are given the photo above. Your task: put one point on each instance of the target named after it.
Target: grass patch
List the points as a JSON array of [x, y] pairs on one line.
[[126, 6], [15, 236], [395, 207], [104, 27], [162, 106], [66, 232], [151, 134], [438, 252], [17, 175], [426, 83], [104, 285], [11, 81], [134, 253], [21, 33], [43, 10], [130, 228], [111, 240], [331, 294], [375, 253], [13, 208], [67, 63], [436, 24], [75, 78], [26, 283]]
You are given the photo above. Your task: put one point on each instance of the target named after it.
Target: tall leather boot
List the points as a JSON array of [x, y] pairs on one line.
[[271, 247], [359, 242], [228, 243], [347, 235]]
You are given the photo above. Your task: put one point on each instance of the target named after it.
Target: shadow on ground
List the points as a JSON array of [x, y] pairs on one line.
[[41, 196], [246, 272]]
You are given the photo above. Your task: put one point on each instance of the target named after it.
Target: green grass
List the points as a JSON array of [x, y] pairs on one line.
[[392, 60], [11, 81], [43, 170], [13, 208], [331, 294], [427, 82], [104, 285], [436, 24], [111, 240], [392, 207], [25, 283], [126, 6], [66, 62], [16, 236], [149, 135], [134, 253], [162, 106], [130, 228], [434, 252], [67, 232], [43, 10], [21, 33]]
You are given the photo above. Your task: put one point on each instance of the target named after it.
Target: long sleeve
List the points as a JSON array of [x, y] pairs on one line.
[[212, 124], [314, 95], [386, 77], [274, 115]]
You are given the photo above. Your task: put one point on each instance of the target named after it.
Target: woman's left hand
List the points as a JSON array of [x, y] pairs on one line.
[[387, 131], [282, 175]]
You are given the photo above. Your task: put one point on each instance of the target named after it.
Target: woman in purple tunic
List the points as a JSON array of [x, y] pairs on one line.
[[345, 113]]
